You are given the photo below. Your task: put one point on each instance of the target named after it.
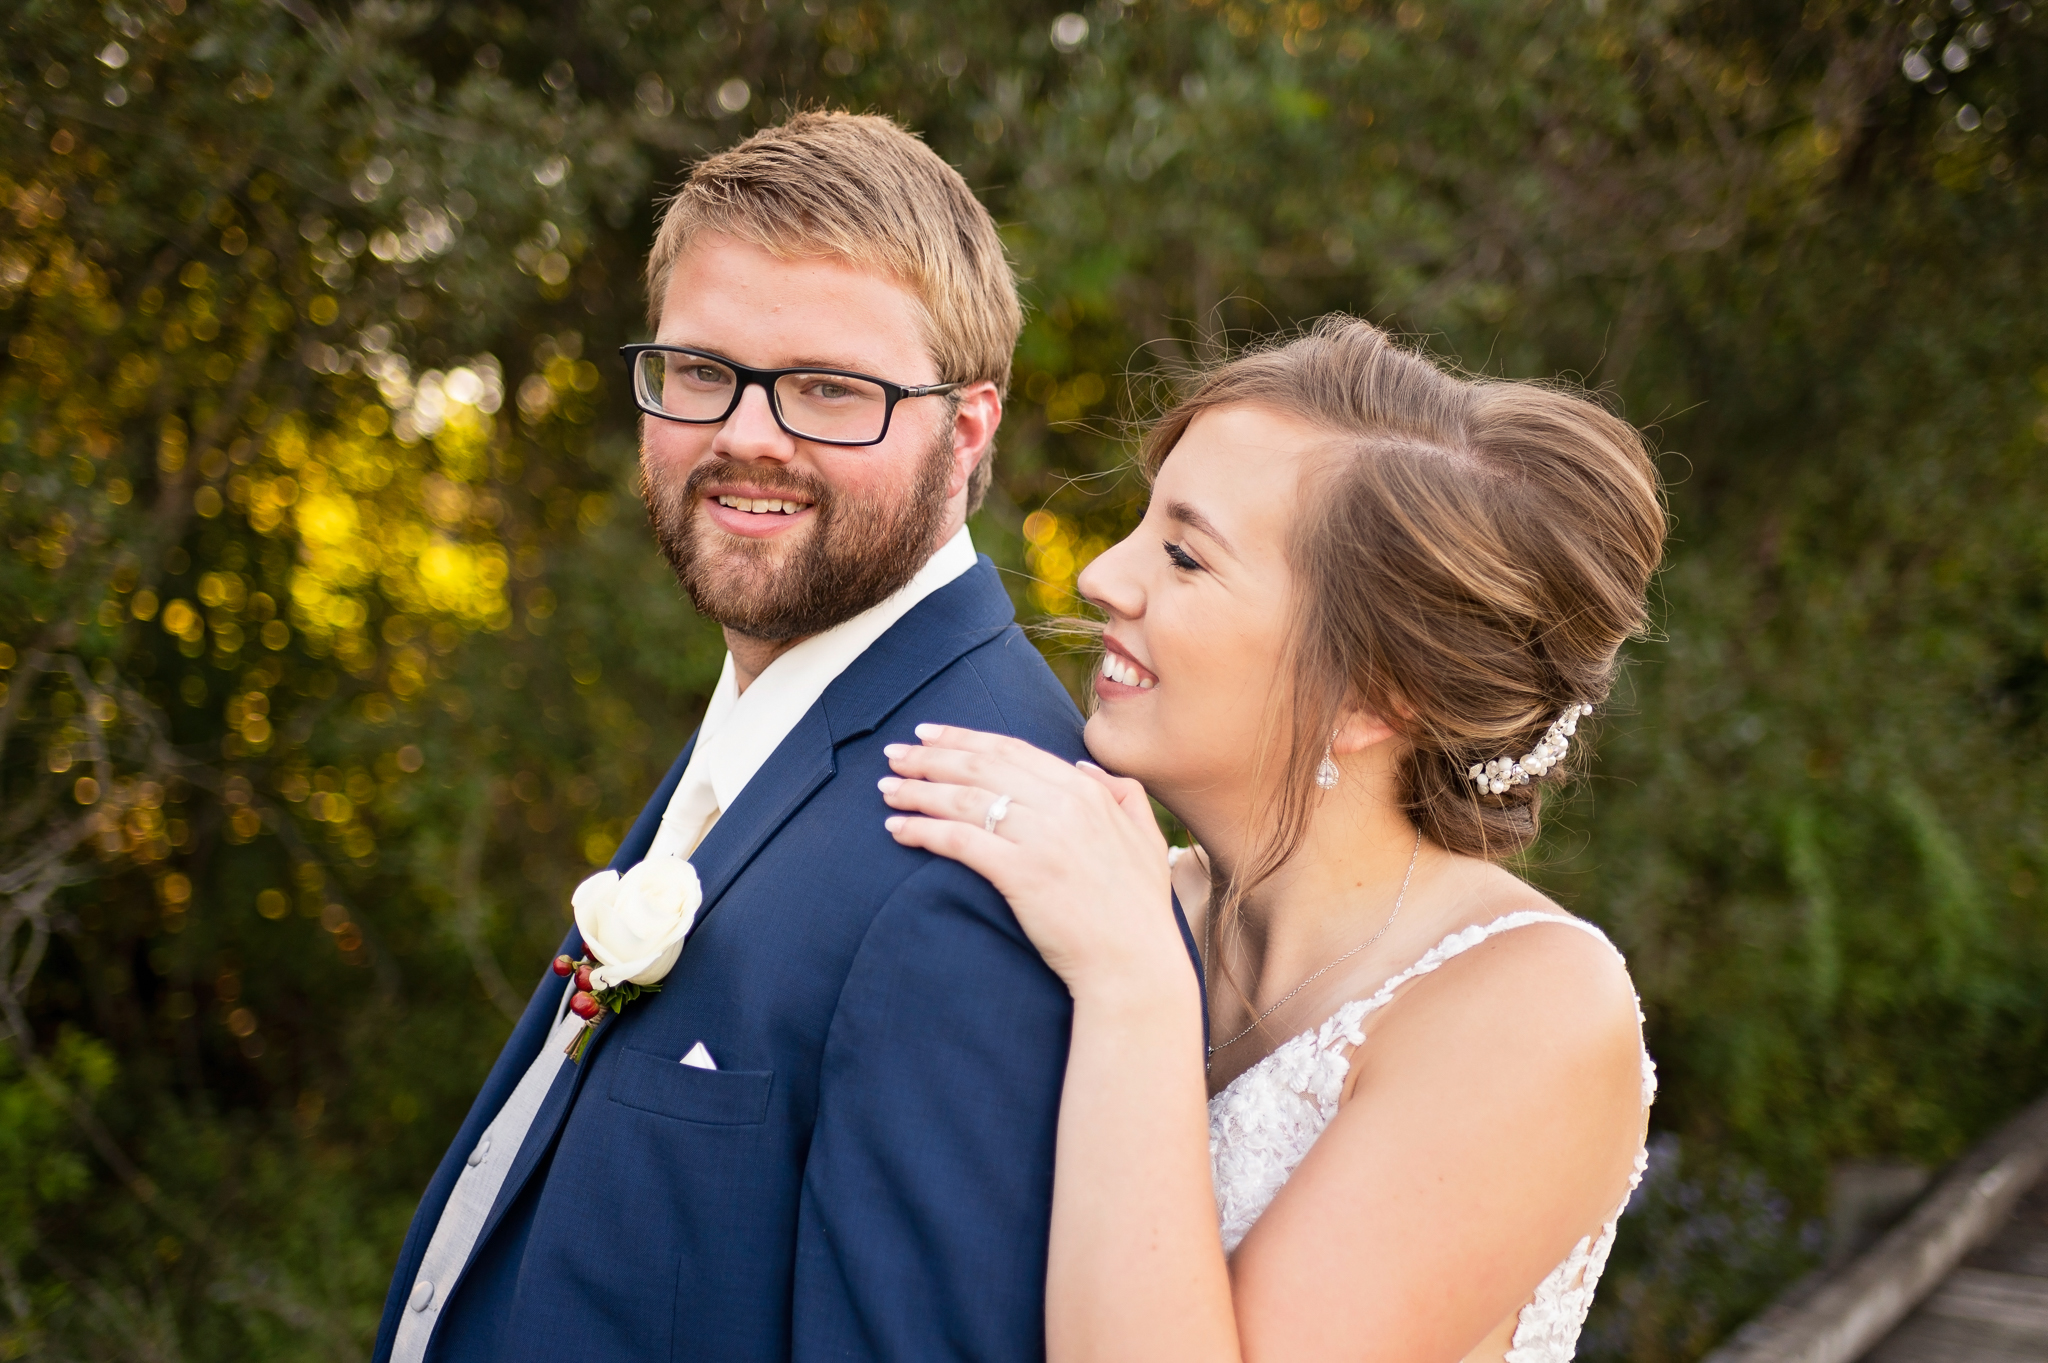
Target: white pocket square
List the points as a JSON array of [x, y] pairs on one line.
[[699, 1058]]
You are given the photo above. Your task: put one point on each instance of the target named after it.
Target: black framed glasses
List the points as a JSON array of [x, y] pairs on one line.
[[828, 406]]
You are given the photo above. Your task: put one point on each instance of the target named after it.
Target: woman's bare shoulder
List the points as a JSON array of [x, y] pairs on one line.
[[1541, 989]]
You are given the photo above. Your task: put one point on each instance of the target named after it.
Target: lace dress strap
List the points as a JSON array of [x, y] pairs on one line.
[[1324, 1061]]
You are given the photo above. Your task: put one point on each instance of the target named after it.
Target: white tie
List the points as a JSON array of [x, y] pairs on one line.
[[689, 816]]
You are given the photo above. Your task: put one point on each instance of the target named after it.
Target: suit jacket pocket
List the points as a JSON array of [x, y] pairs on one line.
[[664, 1085]]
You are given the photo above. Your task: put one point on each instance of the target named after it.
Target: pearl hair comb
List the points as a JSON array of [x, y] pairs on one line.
[[1493, 778]]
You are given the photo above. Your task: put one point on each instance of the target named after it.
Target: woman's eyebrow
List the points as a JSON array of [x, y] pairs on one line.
[[1195, 520]]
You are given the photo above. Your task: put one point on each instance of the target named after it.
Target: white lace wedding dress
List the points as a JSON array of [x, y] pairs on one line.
[[1262, 1124]]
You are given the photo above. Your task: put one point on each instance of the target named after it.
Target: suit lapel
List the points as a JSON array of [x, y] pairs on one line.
[[964, 614], [967, 611], [790, 776]]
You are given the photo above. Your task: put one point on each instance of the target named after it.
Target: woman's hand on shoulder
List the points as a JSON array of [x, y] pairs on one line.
[[1077, 853]]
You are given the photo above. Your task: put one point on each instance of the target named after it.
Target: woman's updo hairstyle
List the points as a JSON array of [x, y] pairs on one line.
[[1476, 553]]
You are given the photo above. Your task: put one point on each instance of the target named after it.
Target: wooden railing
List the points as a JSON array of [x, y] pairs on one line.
[[1840, 1317]]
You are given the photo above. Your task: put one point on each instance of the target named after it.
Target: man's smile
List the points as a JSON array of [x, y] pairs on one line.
[[781, 506], [756, 512]]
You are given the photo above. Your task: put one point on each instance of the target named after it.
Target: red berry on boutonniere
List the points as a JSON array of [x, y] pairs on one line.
[[563, 965], [586, 1006], [583, 977]]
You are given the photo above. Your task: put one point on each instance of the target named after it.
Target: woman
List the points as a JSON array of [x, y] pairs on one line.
[[1348, 647]]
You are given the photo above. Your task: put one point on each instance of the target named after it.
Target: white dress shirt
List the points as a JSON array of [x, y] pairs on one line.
[[741, 729]]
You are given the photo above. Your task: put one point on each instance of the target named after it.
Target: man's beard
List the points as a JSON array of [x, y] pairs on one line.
[[858, 554]]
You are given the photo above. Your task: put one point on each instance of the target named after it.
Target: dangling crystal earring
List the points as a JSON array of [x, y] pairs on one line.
[[1326, 771]]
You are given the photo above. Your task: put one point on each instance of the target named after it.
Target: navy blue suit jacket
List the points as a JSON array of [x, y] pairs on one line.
[[868, 1173]]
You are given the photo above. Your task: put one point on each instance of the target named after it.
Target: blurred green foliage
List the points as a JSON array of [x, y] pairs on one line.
[[334, 651]]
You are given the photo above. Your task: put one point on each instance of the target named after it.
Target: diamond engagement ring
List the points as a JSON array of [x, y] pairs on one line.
[[997, 810]]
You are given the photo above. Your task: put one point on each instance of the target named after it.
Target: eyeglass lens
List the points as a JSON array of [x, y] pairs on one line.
[[829, 407]]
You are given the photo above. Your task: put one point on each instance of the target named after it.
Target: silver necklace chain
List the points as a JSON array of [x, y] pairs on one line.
[[1412, 858]]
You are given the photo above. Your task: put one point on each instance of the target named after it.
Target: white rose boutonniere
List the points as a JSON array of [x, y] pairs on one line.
[[633, 926]]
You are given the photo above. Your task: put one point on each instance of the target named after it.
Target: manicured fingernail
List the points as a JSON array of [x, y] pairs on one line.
[[895, 750], [889, 783], [894, 824], [1085, 765], [928, 732]]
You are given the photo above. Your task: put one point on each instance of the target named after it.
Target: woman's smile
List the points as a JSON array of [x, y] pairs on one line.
[[1121, 674]]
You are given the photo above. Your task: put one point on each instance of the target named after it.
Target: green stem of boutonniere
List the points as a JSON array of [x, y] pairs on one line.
[[591, 1005]]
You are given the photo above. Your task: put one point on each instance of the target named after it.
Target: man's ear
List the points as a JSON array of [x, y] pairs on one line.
[[977, 414]]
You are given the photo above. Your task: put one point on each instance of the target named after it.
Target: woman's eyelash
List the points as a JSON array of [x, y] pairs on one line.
[[1181, 558]]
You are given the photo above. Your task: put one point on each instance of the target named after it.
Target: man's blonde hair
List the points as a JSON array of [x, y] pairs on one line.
[[860, 188]]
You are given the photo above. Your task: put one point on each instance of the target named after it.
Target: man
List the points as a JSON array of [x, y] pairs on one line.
[[830, 1133]]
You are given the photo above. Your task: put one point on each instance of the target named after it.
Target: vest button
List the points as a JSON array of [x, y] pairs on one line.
[[422, 1295], [483, 1148]]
